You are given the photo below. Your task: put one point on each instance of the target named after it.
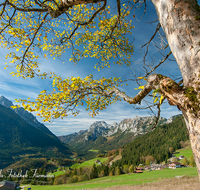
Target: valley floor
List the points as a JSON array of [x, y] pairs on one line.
[[168, 179], [184, 183]]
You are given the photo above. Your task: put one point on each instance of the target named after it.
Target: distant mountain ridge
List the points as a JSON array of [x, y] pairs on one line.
[[19, 139], [27, 116], [137, 125], [102, 136]]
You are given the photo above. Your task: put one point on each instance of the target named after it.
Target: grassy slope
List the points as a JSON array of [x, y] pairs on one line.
[[185, 152], [88, 163], [57, 173], [132, 179], [93, 150]]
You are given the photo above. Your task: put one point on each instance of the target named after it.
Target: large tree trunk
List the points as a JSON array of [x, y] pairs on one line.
[[193, 126], [180, 20]]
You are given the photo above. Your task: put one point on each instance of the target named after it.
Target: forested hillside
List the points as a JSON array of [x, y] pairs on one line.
[[154, 147], [159, 144], [105, 137], [19, 139]]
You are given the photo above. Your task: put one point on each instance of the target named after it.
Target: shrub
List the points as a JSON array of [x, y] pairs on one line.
[[85, 177], [131, 169], [125, 169], [102, 174], [100, 155], [118, 171]]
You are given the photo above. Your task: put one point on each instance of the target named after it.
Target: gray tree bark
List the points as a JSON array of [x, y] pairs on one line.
[[180, 20]]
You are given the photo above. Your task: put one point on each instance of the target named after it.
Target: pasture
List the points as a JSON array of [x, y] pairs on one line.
[[185, 152], [123, 180], [88, 163]]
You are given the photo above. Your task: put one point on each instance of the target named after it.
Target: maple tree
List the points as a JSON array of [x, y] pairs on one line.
[[87, 27]]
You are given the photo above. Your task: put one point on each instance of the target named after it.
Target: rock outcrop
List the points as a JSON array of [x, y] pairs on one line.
[[137, 125], [27, 116]]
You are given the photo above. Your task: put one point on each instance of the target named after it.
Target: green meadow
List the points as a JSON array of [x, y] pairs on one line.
[[93, 150], [185, 152], [88, 163], [132, 179], [57, 173]]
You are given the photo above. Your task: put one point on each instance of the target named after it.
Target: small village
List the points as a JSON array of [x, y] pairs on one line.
[[173, 164]]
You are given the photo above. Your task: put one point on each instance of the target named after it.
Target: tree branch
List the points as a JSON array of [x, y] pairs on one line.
[[27, 9], [161, 62], [131, 100], [85, 23]]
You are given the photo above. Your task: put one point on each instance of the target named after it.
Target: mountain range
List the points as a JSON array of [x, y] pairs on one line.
[[27, 116], [22, 136], [103, 136]]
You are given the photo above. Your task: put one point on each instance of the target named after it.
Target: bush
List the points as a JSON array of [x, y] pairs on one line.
[[192, 161], [70, 180], [80, 178], [59, 180], [85, 177], [100, 155], [111, 173], [102, 174], [131, 169], [185, 161], [118, 171], [125, 169], [75, 178]]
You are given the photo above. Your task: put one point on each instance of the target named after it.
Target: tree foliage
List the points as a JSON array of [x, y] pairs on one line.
[[28, 27], [34, 29]]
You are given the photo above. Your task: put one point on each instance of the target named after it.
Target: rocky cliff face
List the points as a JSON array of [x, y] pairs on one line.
[[27, 116], [137, 125]]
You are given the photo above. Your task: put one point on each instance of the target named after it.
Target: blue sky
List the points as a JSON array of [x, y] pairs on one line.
[[13, 87]]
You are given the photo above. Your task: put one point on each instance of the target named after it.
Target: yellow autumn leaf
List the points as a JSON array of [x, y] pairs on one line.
[[156, 99], [161, 98], [140, 87]]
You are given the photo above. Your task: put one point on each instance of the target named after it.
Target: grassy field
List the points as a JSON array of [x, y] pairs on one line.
[[88, 163], [183, 183], [93, 150], [185, 152], [57, 173], [132, 179]]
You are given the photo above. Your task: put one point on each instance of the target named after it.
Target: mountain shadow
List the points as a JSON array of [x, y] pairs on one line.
[[19, 139]]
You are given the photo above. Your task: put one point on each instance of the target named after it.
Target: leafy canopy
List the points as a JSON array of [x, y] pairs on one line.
[[34, 29], [28, 31]]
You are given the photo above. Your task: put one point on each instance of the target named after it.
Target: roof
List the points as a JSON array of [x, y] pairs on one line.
[[139, 168], [177, 163], [139, 171], [8, 185], [156, 165]]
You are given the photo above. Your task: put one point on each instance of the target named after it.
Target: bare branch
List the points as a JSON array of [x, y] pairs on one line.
[[148, 43], [166, 57]]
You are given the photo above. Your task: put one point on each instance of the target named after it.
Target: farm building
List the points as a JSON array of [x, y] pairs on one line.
[[8, 185], [175, 165]]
